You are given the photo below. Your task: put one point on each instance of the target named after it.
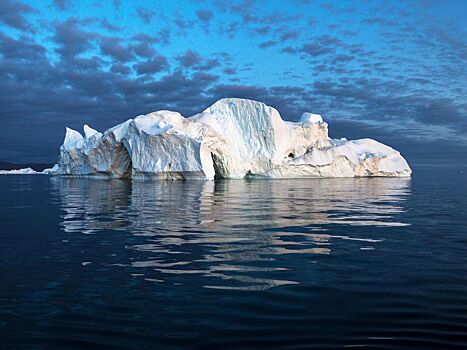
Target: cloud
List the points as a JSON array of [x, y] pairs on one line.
[[263, 30], [23, 49], [382, 101], [182, 23], [250, 13], [229, 71], [210, 63], [71, 40], [401, 84], [194, 61], [380, 20], [314, 49], [342, 58], [204, 16], [289, 49], [62, 5], [116, 4], [267, 44], [120, 68], [113, 47], [145, 14], [288, 35], [12, 13], [161, 36], [441, 111], [154, 65], [105, 24], [189, 59], [321, 45], [143, 49]]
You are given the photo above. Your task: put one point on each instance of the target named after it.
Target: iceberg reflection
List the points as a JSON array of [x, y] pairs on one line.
[[232, 233]]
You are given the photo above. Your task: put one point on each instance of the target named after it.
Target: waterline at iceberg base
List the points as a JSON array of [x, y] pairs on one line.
[[232, 139]]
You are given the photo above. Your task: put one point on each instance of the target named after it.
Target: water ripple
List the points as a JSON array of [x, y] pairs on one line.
[[232, 233], [290, 264]]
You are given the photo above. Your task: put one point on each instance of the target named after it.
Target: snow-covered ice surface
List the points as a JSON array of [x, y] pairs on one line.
[[234, 138]]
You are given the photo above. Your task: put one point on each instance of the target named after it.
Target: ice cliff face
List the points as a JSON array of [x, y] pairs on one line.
[[234, 138]]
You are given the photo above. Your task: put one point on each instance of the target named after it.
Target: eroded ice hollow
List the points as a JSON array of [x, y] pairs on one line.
[[234, 138]]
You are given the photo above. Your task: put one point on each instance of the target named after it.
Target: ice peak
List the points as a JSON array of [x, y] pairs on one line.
[[88, 131], [229, 103], [72, 138]]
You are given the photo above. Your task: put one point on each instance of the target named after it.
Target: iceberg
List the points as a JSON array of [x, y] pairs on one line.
[[232, 139], [24, 171]]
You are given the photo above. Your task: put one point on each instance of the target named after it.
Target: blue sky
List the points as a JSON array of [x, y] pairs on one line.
[[390, 70]]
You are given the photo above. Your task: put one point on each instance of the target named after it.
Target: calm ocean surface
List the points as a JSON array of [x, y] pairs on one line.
[[289, 264]]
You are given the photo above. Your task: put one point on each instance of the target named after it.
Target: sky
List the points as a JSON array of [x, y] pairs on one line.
[[390, 70]]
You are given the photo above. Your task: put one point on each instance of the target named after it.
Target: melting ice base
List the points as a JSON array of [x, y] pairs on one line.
[[234, 138]]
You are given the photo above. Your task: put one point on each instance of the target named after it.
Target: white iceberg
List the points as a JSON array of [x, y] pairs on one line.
[[234, 138]]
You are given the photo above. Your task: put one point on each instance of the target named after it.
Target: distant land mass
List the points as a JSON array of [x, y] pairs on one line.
[[35, 166]]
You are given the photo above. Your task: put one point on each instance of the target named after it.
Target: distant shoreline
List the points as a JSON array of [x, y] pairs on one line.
[[35, 166]]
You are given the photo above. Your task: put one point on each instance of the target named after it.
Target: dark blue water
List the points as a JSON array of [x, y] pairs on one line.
[[289, 264]]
